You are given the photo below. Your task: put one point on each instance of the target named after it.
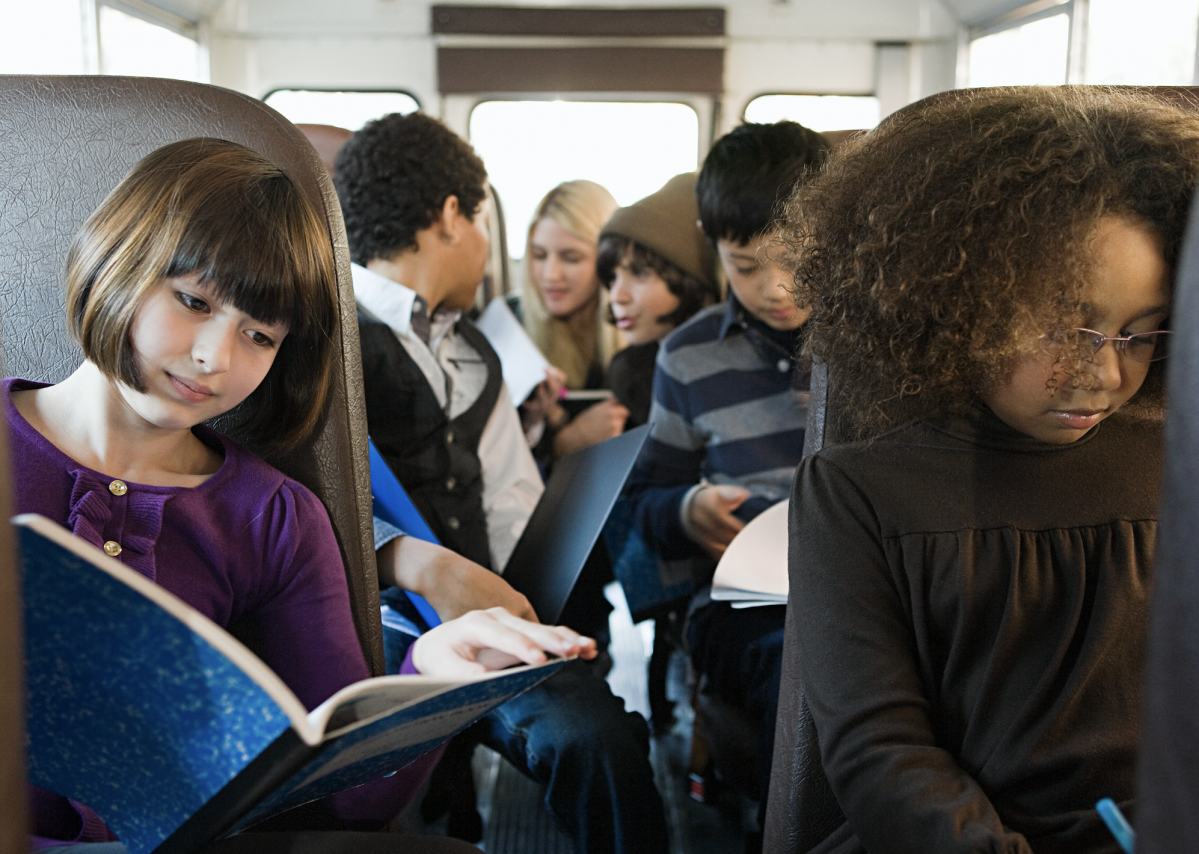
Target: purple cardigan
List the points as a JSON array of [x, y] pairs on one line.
[[248, 542]]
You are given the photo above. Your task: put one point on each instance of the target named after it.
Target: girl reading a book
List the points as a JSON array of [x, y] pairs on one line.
[[990, 275], [204, 284]]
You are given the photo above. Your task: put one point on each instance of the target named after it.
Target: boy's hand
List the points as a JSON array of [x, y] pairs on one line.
[[452, 584], [492, 639], [711, 516], [593, 425]]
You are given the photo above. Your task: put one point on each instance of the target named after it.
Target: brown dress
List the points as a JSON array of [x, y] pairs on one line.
[[971, 612]]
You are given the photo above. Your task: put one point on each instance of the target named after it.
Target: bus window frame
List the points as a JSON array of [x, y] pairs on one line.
[[94, 33], [1030, 13], [158, 17], [457, 109], [815, 95], [420, 108]]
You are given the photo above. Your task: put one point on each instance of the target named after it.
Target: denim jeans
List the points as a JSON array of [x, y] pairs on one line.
[[572, 735], [741, 653]]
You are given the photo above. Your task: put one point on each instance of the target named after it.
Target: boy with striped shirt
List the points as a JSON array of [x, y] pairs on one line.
[[729, 411]]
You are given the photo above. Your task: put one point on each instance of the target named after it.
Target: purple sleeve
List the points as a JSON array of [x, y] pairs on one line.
[[308, 638]]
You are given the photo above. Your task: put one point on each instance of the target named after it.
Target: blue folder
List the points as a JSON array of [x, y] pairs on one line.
[[392, 504]]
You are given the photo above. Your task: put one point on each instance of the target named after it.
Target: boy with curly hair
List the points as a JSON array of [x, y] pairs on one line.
[[729, 411], [413, 195]]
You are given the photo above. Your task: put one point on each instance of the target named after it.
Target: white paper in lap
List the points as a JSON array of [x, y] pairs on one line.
[[754, 567], [523, 365]]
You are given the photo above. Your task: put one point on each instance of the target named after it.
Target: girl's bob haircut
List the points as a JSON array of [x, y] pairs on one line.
[[218, 210], [936, 249]]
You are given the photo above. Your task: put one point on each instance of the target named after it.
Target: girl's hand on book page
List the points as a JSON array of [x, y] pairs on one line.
[[490, 640]]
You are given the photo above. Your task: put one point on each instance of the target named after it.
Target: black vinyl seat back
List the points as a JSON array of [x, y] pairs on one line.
[[1168, 776], [65, 142], [802, 809]]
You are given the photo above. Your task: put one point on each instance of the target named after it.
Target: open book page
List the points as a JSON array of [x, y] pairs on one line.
[[523, 365], [753, 570], [137, 705], [384, 742]]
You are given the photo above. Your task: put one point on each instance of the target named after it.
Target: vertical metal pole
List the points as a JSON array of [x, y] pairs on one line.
[[89, 21], [1076, 64], [963, 67]]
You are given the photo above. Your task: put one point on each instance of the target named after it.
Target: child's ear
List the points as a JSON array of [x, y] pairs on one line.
[[447, 220]]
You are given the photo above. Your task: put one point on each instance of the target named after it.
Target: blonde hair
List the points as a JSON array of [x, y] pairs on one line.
[[582, 208], [229, 215]]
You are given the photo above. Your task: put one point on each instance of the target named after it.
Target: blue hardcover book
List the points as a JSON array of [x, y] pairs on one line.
[[174, 732], [390, 502]]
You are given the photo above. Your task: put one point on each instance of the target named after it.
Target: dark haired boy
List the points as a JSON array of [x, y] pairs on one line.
[[729, 411], [413, 195]]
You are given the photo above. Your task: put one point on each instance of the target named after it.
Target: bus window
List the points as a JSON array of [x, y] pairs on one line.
[[1027, 53], [343, 109], [818, 112], [632, 148], [42, 38], [137, 46], [1148, 43]]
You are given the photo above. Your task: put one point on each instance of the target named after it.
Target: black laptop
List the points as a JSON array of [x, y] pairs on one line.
[[568, 520]]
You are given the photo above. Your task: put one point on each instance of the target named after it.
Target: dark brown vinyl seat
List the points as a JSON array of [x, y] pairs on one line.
[[1168, 776], [65, 142], [802, 809]]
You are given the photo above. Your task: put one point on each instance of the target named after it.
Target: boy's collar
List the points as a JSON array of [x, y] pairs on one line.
[[394, 304], [734, 316], [385, 300]]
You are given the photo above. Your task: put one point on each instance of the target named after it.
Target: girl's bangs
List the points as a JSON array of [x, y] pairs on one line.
[[248, 259]]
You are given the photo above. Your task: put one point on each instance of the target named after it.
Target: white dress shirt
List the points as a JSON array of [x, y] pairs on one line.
[[457, 374]]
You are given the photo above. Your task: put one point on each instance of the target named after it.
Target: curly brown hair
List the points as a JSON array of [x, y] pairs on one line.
[[935, 248]]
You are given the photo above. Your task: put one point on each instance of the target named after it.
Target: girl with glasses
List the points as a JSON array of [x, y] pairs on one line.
[[970, 566]]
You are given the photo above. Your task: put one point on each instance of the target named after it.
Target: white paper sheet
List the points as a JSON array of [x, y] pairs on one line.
[[754, 567], [523, 365]]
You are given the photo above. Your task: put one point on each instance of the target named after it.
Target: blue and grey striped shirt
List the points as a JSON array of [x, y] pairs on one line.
[[730, 405]]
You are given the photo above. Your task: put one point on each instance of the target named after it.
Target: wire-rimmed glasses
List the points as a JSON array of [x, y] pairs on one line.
[[1141, 347]]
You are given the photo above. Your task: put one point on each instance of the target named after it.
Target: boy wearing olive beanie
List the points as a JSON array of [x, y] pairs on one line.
[[659, 270]]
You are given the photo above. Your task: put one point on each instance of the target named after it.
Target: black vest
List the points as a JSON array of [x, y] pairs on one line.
[[436, 459]]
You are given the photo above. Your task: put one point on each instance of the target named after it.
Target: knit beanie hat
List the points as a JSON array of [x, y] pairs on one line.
[[668, 223]]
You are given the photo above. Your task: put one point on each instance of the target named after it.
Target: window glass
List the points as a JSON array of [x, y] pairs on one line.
[[132, 46], [1028, 54], [349, 110], [1149, 42], [530, 147], [42, 37], [818, 112]]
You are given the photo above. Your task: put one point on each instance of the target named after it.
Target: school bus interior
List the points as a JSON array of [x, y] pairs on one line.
[[623, 92]]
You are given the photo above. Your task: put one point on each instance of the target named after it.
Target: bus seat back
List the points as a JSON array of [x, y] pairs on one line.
[[66, 142]]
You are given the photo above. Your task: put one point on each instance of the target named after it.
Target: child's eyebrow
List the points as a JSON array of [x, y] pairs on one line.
[[1158, 309], [1088, 311]]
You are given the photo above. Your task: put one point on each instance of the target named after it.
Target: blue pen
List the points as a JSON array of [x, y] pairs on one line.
[[1117, 824]]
